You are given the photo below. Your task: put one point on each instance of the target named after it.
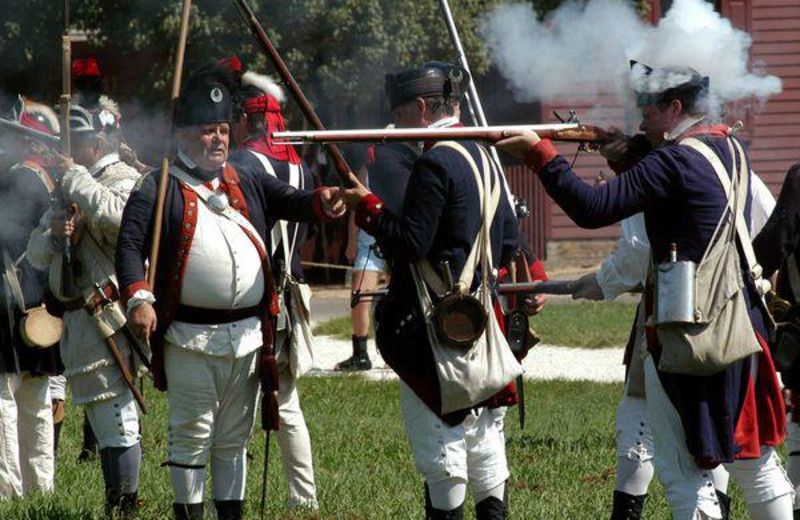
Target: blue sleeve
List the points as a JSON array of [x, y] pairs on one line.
[[133, 244], [410, 237], [653, 178]]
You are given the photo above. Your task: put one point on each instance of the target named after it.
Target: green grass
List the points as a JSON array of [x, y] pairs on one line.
[[582, 324], [562, 465]]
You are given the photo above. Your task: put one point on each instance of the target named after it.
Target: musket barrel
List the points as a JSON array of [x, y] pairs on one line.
[[559, 132], [552, 287]]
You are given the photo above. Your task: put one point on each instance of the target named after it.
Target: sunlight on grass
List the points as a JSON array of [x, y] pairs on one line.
[[584, 324], [562, 464]]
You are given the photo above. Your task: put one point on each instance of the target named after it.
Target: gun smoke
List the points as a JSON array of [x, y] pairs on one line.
[[581, 51]]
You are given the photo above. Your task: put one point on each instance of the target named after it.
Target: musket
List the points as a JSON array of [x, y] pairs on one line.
[[67, 269], [551, 287], [162, 184], [358, 295], [569, 132], [339, 162]]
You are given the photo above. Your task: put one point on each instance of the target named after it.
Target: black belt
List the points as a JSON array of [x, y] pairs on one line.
[[203, 316]]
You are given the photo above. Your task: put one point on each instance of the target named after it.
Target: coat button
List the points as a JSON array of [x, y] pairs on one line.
[[188, 226]]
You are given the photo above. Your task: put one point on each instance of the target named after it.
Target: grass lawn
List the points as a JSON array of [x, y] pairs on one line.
[[581, 324], [562, 465]]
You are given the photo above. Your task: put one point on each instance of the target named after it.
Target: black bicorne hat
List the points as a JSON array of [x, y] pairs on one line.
[[434, 78], [208, 97], [655, 86]]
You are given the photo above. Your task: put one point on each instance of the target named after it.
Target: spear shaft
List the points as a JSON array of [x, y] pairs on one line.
[[162, 183]]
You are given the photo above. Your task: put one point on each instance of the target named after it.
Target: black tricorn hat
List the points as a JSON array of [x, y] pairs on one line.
[[434, 78], [655, 86], [208, 97]]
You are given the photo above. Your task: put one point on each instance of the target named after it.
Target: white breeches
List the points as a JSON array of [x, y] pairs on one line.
[[26, 435], [471, 452], [634, 446], [212, 409], [115, 421], [58, 388], [793, 462], [295, 445], [690, 490]]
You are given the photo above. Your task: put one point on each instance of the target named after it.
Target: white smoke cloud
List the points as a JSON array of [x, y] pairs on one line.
[[582, 50]]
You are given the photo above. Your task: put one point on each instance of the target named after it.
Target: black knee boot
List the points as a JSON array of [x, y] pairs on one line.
[[492, 508], [188, 511], [725, 504], [121, 477], [121, 506], [627, 507], [229, 509], [359, 360]]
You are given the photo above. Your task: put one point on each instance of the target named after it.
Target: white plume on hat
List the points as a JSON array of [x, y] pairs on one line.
[[109, 104], [265, 84]]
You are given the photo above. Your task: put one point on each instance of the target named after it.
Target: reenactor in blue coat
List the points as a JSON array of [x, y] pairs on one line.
[[734, 415], [440, 221], [30, 137]]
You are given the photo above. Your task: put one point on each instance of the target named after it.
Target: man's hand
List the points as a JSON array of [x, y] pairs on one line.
[[332, 202], [142, 321], [587, 288], [352, 196], [534, 304], [518, 142], [67, 223], [616, 147]]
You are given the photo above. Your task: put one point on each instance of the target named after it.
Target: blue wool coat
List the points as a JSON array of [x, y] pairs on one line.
[[682, 200], [441, 218]]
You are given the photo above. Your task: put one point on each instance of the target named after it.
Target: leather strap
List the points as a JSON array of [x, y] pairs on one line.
[[481, 247], [203, 316], [737, 190]]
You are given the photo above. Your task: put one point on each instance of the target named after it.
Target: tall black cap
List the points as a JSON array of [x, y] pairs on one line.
[[208, 97], [434, 78]]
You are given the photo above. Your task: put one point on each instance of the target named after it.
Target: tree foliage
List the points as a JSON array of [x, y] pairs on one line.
[[338, 50]]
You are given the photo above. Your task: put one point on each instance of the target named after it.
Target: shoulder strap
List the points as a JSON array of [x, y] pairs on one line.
[[481, 246], [279, 233], [737, 189]]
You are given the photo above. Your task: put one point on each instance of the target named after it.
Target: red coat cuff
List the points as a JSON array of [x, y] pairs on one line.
[[130, 290], [538, 273], [540, 155], [367, 213], [319, 211]]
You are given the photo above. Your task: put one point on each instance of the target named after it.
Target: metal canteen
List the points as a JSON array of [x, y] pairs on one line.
[[459, 318], [39, 329]]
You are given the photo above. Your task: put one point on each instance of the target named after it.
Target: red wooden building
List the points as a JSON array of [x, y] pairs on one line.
[[772, 132]]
